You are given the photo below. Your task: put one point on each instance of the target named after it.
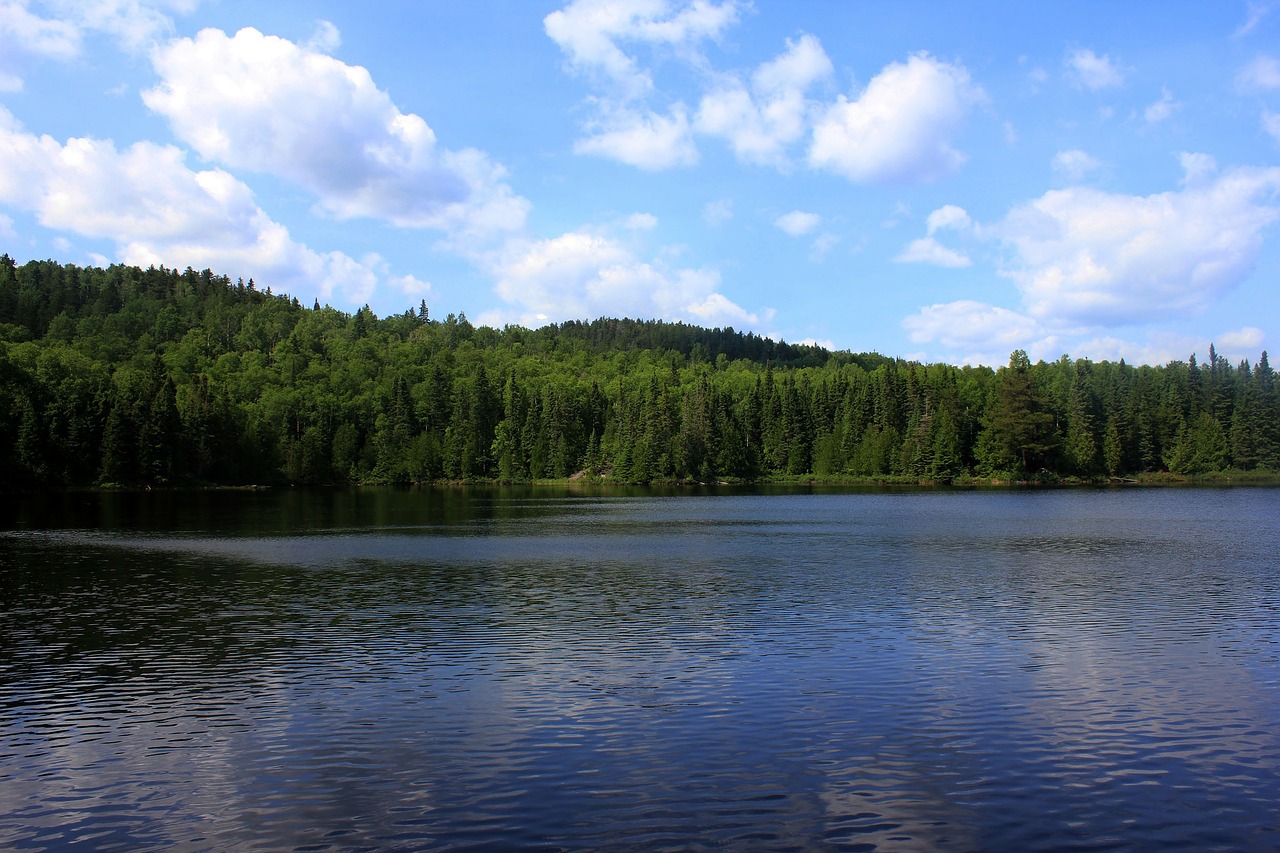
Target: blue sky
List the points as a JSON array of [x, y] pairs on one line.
[[940, 181]]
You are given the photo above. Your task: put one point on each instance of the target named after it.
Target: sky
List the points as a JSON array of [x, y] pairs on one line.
[[936, 181]]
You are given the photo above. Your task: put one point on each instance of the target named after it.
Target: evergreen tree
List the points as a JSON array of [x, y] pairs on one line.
[[1020, 428], [947, 462]]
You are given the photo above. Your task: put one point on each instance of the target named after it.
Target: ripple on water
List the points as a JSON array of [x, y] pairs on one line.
[[888, 672]]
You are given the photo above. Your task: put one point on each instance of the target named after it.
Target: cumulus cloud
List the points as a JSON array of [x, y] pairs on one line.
[[593, 35], [326, 38], [761, 119], [263, 103], [1083, 255], [899, 128], [950, 217], [1245, 342], [643, 139], [1094, 72], [23, 30], [1197, 167], [1262, 73], [1164, 347], [584, 274], [1074, 165], [927, 250], [984, 334], [591, 32], [797, 223], [1084, 260], [158, 211], [136, 24], [411, 286]]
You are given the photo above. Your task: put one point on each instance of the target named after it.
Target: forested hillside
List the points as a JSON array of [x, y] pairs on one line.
[[137, 377]]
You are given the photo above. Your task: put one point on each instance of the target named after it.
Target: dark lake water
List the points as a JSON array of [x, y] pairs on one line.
[[404, 670]]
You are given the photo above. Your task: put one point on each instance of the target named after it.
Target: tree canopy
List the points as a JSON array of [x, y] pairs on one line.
[[129, 376]]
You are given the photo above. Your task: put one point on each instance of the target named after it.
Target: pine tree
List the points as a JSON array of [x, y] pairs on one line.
[[1081, 446], [1020, 429], [947, 462]]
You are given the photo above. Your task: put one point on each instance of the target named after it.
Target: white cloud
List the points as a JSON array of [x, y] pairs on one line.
[[900, 212], [1160, 348], [1271, 124], [582, 274], [797, 223], [1074, 165], [645, 140], [411, 286], [6, 227], [326, 38], [1085, 259], [590, 33], [949, 216], [1094, 72], [1083, 255], [718, 212], [263, 103], [136, 24], [822, 246], [718, 310], [1164, 347], [1246, 341], [1258, 9], [900, 127], [927, 250], [1262, 73], [1161, 109], [985, 333], [826, 343], [761, 121], [158, 211], [24, 31], [641, 222], [1197, 167]]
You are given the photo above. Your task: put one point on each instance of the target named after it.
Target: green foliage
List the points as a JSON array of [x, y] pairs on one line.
[[135, 377], [1021, 429]]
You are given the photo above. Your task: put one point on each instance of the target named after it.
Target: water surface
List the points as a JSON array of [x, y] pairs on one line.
[[380, 669]]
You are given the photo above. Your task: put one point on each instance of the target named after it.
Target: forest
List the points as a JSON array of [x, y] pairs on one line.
[[129, 377]]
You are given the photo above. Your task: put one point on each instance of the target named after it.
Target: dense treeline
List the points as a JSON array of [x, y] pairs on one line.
[[138, 377]]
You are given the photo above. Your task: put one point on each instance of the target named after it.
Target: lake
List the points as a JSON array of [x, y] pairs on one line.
[[578, 669]]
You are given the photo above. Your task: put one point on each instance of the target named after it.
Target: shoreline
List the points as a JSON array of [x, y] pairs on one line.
[[1259, 479]]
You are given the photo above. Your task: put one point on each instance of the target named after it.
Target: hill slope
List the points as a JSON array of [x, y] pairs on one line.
[[131, 376]]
